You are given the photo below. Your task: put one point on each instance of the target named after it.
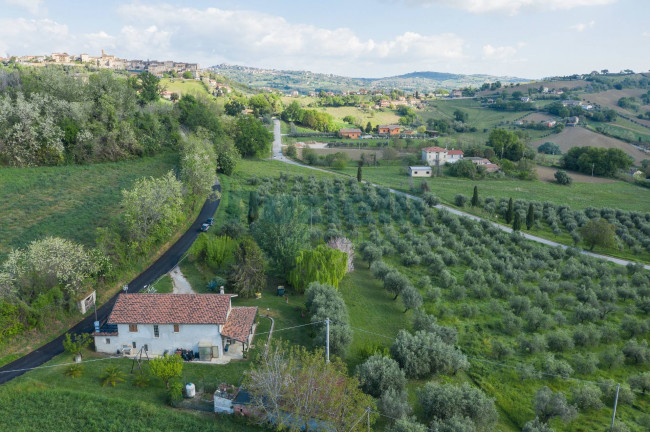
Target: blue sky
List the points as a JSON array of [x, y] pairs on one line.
[[369, 38]]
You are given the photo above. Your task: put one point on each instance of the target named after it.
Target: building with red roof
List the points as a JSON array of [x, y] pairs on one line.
[[436, 156], [162, 323]]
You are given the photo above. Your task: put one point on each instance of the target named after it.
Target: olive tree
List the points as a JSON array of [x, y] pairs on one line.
[[378, 374], [446, 401], [548, 404]]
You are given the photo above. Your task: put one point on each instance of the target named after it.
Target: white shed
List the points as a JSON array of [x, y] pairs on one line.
[[420, 171]]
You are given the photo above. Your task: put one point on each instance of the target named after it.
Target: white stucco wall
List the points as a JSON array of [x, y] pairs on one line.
[[431, 158], [188, 337]]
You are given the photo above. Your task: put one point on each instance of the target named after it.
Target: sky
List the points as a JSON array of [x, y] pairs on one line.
[[359, 38]]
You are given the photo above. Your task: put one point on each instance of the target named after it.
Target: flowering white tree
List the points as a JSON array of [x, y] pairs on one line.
[[152, 206], [47, 263], [344, 245], [198, 166]]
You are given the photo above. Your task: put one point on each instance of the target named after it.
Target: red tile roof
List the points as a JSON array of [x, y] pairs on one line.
[[350, 131], [389, 127], [170, 309], [239, 324], [434, 149], [458, 152]]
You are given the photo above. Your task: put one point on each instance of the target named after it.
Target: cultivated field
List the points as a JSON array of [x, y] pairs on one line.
[[67, 201], [535, 85], [354, 154], [547, 174], [580, 137], [183, 86], [609, 98]]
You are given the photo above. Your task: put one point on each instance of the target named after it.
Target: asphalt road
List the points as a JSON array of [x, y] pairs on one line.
[[277, 155], [163, 265]]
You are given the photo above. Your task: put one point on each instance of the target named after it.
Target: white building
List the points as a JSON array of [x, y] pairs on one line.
[[435, 156], [162, 323], [420, 171]]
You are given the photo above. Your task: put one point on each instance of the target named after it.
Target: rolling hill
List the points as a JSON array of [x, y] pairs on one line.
[[305, 81]]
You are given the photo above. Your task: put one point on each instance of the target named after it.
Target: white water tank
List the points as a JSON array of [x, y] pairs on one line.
[[190, 390]]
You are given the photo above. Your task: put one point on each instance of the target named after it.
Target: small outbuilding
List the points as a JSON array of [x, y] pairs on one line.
[[420, 171]]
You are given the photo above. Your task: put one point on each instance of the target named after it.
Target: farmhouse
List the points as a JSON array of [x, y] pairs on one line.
[[550, 123], [389, 129], [420, 171], [456, 93], [435, 156], [350, 133], [159, 323], [525, 99]]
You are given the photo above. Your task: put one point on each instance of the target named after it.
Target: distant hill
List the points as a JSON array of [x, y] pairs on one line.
[[305, 81]]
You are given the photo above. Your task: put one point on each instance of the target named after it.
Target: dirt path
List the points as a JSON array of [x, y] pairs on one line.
[[181, 285]]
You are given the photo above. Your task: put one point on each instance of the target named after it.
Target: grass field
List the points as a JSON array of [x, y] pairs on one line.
[[183, 86], [580, 137], [67, 201], [67, 404], [579, 196]]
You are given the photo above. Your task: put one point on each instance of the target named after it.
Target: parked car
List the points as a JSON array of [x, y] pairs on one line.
[[205, 227], [210, 221]]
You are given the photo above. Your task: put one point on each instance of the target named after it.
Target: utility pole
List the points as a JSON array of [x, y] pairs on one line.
[[592, 169], [327, 341], [618, 387]]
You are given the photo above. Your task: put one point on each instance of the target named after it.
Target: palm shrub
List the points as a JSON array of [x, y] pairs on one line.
[[111, 375], [74, 370]]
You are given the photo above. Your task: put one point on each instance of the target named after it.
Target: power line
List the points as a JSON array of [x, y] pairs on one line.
[[290, 328], [60, 364]]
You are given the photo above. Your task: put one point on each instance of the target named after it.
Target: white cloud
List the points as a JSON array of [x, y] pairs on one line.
[[511, 7], [580, 27], [18, 36], [645, 34], [32, 6], [498, 53], [248, 36]]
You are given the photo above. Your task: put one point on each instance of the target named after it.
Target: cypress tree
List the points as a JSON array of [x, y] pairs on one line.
[[359, 174], [368, 127], [511, 211], [516, 225], [253, 207], [530, 216], [475, 197]]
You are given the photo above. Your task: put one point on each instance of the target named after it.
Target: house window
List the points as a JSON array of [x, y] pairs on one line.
[[108, 341], [156, 333], [146, 347], [133, 344], [176, 328], [133, 328]]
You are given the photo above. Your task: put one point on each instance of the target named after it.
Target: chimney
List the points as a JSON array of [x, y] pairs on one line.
[[221, 290]]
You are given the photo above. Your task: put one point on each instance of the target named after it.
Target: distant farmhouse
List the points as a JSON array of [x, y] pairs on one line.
[[436, 156], [389, 129], [350, 133]]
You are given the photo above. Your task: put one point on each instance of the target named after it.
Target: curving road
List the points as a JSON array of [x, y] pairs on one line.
[[277, 155], [163, 265]]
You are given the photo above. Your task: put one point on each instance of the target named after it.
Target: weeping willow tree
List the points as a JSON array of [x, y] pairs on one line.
[[323, 264]]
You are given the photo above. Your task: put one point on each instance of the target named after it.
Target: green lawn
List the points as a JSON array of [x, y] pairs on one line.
[[619, 194], [183, 86], [67, 201], [67, 404], [164, 285]]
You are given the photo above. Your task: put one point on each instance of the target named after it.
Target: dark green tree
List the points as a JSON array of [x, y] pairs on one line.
[[234, 107], [252, 138], [253, 207], [598, 232], [530, 216], [510, 213], [516, 224], [475, 197], [248, 272], [150, 87], [368, 127], [280, 232], [359, 172]]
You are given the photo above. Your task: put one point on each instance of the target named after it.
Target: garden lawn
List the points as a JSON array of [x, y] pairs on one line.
[[45, 399], [67, 201]]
